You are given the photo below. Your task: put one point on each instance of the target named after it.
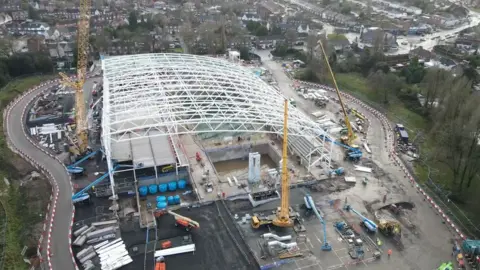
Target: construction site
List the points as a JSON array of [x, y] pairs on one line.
[[192, 162], [219, 182]]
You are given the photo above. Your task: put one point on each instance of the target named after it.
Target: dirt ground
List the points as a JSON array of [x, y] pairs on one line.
[[428, 240], [37, 190]]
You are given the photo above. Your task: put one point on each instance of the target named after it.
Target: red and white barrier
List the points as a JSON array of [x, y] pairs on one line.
[[51, 209], [390, 144]]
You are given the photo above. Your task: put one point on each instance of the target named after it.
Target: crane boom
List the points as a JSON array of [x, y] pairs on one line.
[[350, 134], [283, 216], [77, 84]]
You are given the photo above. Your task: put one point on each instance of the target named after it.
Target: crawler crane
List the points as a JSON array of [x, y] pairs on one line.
[[350, 137], [284, 216], [77, 84]]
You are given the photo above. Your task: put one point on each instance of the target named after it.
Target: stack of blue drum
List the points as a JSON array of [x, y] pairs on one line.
[[161, 202]]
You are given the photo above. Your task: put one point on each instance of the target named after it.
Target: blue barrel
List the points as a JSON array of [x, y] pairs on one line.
[[182, 184], [162, 188], [172, 186], [176, 198], [161, 205], [143, 190], [161, 199], [152, 189], [171, 200]]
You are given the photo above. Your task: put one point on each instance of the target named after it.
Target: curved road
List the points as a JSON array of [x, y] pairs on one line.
[[60, 252]]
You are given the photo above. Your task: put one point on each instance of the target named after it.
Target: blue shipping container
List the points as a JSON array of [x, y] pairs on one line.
[[172, 186], [171, 200], [182, 184], [176, 198], [143, 190], [152, 189], [161, 205], [161, 199], [162, 188]]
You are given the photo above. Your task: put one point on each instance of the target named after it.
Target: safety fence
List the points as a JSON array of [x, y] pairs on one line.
[[389, 141], [45, 240]]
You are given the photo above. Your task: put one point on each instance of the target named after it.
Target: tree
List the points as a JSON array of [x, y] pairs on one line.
[[457, 132], [188, 36], [261, 31], [414, 72], [275, 30], [33, 13], [6, 47], [132, 20], [434, 85], [208, 36], [253, 26], [312, 43], [291, 37]]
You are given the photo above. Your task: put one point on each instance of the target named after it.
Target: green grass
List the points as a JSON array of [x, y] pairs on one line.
[[397, 112], [177, 50], [357, 84], [10, 196]]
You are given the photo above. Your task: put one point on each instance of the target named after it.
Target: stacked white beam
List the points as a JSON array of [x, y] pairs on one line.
[[113, 255], [104, 223], [175, 250], [101, 232]]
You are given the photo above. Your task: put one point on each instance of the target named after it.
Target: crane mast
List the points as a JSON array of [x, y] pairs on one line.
[[283, 215], [350, 134], [77, 84]]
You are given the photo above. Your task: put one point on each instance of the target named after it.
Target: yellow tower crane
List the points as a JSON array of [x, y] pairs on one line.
[[350, 138], [284, 216], [77, 84]]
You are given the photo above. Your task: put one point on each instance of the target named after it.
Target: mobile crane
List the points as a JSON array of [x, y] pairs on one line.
[[284, 216], [77, 84], [350, 137]]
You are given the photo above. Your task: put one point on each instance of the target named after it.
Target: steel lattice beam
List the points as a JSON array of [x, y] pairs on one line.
[[181, 93]]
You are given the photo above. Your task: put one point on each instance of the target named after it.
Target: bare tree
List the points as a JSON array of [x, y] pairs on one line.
[[291, 37], [435, 83], [188, 37], [312, 43], [208, 36], [457, 133]]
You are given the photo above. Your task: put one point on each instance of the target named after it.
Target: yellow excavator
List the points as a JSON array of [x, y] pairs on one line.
[[284, 216]]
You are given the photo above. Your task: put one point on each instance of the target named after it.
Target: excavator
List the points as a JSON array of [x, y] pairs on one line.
[[352, 152], [284, 216]]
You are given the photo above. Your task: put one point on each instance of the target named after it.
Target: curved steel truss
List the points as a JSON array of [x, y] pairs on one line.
[[169, 94]]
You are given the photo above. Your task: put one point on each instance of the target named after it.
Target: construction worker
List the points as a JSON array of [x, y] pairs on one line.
[[389, 252]]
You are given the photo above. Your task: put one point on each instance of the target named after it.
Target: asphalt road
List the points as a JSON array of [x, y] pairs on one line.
[[433, 241], [60, 228], [60, 251]]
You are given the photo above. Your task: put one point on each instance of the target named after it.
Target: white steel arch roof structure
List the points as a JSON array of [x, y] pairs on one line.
[[168, 94]]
